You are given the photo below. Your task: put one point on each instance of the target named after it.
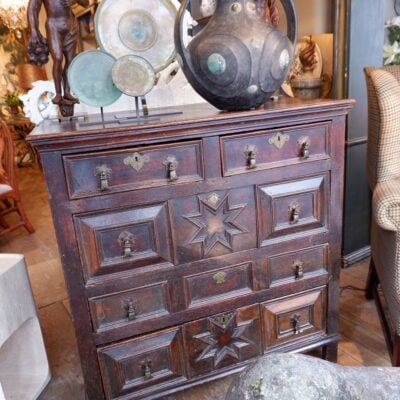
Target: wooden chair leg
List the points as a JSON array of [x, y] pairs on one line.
[[396, 351], [24, 217], [372, 281]]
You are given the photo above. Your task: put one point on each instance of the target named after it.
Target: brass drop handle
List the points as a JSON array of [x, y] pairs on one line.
[[126, 240], [103, 172], [295, 321], [294, 211], [172, 164], [298, 269], [250, 152], [131, 310], [304, 144], [146, 367]]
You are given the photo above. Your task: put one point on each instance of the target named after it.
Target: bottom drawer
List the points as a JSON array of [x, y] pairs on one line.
[[136, 366], [293, 317]]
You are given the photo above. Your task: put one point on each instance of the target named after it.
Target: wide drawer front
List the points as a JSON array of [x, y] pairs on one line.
[[115, 241], [130, 306], [297, 265], [142, 167], [136, 366], [293, 208], [223, 284], [268, 149], [291, 318]]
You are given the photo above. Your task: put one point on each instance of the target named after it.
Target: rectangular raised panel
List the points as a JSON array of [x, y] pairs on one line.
[[102, 245], [218, 285], [292, 318], [133, 168], [214, 224], [275, 148], [292, 208], [298, 265], [138, 365], [223, 340], [129, 307]]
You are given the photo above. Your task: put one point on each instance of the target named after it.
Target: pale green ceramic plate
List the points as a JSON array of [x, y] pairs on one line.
[[90, 78]]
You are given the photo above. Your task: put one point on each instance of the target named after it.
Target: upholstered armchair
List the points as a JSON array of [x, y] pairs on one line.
[[383, 170]]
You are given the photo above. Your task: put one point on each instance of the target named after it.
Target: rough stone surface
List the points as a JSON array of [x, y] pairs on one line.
[[301, 377]]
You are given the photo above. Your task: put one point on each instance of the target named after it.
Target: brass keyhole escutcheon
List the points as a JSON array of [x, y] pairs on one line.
[[279, 139], [219, 277], [136, 161]]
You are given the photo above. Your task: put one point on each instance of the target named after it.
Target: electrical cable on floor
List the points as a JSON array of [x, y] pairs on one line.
[[341, 288]]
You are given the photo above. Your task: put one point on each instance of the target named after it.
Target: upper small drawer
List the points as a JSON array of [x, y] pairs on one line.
[[142, 167], [268, 149]]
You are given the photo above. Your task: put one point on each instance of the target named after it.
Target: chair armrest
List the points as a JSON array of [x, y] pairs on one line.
[[386, 204]]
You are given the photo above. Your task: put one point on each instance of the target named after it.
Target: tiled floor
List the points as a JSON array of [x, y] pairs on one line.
[[362, 340]]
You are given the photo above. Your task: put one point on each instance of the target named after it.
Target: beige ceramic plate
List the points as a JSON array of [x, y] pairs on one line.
[[143, 28], [133, 75]]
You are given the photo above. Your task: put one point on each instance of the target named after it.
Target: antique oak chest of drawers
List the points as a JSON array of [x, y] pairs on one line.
[[194, 242]]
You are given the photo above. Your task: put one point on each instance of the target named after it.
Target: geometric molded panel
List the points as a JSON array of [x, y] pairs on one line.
[[213, 224], [117, 240], [137, 366], [223, 340], [294, 208], [292, 318]]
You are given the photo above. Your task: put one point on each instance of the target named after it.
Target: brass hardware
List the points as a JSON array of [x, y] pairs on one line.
[[279, 139], [126, 241], [298, 269], [213, 198], [250, 152], [220, 277], [222, 320], [304, 144], [131, 310], [172, 164], [146, 366], [136, 161], [103, 172], [295, 321], [294, 210]]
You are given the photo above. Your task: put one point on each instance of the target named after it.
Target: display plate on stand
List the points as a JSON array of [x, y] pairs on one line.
[[143, 28], [90, 78]]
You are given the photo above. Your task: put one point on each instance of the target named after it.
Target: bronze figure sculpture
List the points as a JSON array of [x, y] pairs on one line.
[[61, 41]]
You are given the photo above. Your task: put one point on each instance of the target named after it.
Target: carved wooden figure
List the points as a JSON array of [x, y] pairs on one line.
[[61, 41]]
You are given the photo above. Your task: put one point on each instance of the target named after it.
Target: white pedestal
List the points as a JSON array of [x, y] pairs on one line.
[[24, 368]]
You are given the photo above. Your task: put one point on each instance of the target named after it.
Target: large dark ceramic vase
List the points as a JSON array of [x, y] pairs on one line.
[[237, 61]]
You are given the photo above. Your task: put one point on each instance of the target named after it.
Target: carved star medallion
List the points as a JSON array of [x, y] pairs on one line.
[[216, 223], [225, 339]]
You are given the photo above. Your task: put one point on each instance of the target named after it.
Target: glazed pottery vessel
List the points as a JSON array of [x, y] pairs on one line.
[[237, 61]]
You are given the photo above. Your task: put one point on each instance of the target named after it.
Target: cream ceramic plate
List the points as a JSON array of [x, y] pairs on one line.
[[143, 28], [133, 75], [296, 68], [89, 76]]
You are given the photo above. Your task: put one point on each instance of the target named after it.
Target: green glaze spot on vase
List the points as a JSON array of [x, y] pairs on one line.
[[216, 64]]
